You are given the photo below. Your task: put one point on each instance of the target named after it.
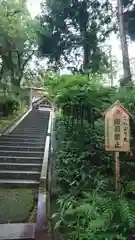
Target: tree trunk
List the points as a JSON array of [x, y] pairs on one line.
[[111, 67], [1, 70], [124, 47], [86, 52], [84, 19]]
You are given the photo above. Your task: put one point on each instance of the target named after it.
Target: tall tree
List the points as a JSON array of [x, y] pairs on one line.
[[72, 30], [124, 46], [129, 18], [17, 39]]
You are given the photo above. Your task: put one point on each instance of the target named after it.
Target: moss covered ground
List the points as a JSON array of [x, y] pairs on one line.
[[17, 205]]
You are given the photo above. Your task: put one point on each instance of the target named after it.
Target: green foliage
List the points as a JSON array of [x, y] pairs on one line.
[[12, 100], [34, 77], [17, 43], [95, 216], [71, 87], [18, 38], [88, 207], [9, 107], [71, 33]]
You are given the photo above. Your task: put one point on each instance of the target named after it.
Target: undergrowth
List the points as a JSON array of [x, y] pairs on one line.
[[88, 207]]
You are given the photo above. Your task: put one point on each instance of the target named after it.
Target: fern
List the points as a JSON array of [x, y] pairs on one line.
[[125, 212], [88, 208], [130, 187]]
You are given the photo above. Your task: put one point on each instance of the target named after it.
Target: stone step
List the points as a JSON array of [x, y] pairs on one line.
[[34, 121], [21, 148], [21, 166], [22, 140], [13, 159], [18, 183], [28, 135], [35, 118], [38, 113], [21, 153], [23, 143], [24, 175], [25, 137], [29, 130], [18, 231], [34, 125]]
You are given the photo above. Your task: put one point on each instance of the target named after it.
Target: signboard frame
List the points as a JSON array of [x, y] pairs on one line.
[[116, 110], [117, 128]]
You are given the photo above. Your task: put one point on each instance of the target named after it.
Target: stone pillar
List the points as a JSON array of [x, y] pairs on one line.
[[30, 98]]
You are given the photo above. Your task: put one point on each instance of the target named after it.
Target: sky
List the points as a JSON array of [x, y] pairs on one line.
[[34, 8]]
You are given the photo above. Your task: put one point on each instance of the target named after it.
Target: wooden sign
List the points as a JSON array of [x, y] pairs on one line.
[[117, 128]]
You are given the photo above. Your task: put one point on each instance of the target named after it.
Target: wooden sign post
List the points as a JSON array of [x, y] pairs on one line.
[[117, 134]]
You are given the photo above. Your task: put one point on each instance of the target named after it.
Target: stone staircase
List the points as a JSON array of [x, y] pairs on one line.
[[22, 166], [21, 152]]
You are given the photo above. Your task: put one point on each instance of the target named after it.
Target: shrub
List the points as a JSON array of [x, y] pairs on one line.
[[8, 107], [88, 207]]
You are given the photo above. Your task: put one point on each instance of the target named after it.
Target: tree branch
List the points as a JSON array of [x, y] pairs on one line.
[[26, 61]]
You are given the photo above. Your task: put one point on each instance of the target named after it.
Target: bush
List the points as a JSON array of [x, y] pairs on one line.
[[8, 107], [88, 207]]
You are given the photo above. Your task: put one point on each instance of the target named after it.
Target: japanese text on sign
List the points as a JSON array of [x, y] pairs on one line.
[[117, 129]]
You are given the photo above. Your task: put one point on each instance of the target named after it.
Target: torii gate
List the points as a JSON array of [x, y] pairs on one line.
[[35, 94]]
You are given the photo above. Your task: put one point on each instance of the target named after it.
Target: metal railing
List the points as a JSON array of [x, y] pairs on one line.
[[43, 223]]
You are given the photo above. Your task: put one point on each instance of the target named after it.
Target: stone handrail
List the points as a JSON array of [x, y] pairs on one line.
[[43, 208]]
